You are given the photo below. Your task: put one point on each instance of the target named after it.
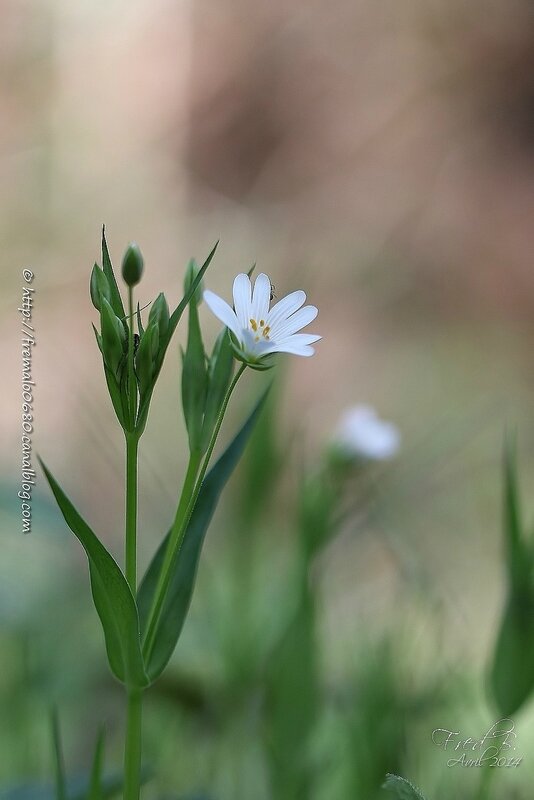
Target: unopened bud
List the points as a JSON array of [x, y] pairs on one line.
[[132, 265]]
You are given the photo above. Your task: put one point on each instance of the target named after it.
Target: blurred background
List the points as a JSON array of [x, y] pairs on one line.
[[379, 155]]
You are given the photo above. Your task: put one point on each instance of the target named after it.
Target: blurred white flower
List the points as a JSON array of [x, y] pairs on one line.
[[260, 331], [360, 433]]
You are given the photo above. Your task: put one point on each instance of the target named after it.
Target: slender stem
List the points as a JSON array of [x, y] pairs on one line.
[[179, 528], [132, 383], [132, 444], [132, 750]]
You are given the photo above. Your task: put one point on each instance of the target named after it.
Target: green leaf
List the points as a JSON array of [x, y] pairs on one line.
[[512, 670], [59, 763], [182, 583], [112, 596], [402, 789], [164, 342], [95, 783], [179, 310], [511, 677], [220, 371], [518, 558], [194, 380], [116, 299]]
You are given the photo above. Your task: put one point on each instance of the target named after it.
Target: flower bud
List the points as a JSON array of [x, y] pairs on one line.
[[113, 337], [132, 265], [159, 313], [146, 356], [99, 287]]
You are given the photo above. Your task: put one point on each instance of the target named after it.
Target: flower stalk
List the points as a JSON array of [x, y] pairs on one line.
[[133, 745], [181, 522]]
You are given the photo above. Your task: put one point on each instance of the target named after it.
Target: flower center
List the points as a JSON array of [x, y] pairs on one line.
[[260, 329]]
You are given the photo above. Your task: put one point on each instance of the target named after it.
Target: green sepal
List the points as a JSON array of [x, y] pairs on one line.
[[112, 596], [260, 363], [116, 299], [99, 287], [145, 359], [182, 584], [194, 380], [159, 313], [113, 337], [220, 369]]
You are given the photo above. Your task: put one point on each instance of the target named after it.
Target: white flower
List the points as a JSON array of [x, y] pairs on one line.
[[260, 331], [360, 433]]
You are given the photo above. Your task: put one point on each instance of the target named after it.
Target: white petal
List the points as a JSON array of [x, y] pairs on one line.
[[299, 338], [294, 349], [261, 297], [297, 345], [222, 311], [242, 299], [286, 306], [294, 323]]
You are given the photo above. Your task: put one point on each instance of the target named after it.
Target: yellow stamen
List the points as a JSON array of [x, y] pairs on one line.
[[262, 323], [254, 325]]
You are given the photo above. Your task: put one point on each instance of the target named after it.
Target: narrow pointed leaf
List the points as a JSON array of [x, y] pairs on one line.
[[182, 584], [517, 556], [116, 299], [112, 596], [179, 310], [164, 342]]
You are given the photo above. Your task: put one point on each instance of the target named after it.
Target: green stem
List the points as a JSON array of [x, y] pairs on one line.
[[132, 382], [132, 750], [132, 444], [180, 526]]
